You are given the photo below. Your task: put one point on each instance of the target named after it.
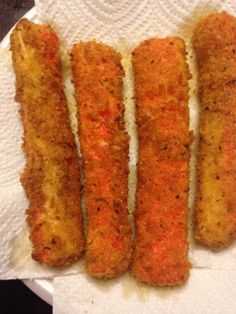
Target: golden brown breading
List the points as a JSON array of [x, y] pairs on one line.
[[215, 208], [51, 175], [161, 91], [97, 76], [215, 221]]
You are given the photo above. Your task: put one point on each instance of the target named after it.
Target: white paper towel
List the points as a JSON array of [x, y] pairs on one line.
[[207, 292], [132, 20], [113, 22]]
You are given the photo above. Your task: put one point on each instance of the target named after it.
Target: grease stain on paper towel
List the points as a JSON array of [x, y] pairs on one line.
[[20, 250], [144, 291], [131, 287]]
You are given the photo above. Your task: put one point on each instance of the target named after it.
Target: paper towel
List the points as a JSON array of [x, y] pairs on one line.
[[116, 23], [206, 292], [132, 20]]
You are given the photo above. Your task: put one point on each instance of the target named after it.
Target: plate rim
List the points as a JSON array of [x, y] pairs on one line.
[[43, 288]]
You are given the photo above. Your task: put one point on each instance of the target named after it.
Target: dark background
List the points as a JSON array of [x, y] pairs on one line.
[[15, 297]]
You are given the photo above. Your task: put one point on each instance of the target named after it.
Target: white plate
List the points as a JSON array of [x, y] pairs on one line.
[[42, 287]]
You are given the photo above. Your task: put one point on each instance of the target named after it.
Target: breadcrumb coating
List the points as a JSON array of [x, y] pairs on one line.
[[215, 207], [51, 176], [161, 217], [97, 75]]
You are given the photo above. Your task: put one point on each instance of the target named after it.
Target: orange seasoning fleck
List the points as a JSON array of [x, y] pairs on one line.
[[50, 45], [161, 217], [97, 75]]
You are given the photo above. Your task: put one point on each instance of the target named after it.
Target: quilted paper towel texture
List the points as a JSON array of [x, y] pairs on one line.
[[131, 20], [114, 22], [206, 292]]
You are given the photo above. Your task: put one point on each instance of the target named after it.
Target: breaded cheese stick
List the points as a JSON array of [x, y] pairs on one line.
[[161, 216], [97, 75], [215, 207], [51, 176]]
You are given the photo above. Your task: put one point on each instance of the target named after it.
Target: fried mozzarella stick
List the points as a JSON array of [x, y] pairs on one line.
[[97, 75], [161, 217], [215, 208], [51, 175]]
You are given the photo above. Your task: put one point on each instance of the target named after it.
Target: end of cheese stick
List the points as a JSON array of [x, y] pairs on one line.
[[215, 207]]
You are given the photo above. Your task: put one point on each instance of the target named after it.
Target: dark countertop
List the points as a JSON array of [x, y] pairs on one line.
[[15, 297], [10, 12]]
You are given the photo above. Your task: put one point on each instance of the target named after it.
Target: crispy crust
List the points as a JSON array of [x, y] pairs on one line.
[[51, 174], [215, 207], [97, 76], [161, 91]]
